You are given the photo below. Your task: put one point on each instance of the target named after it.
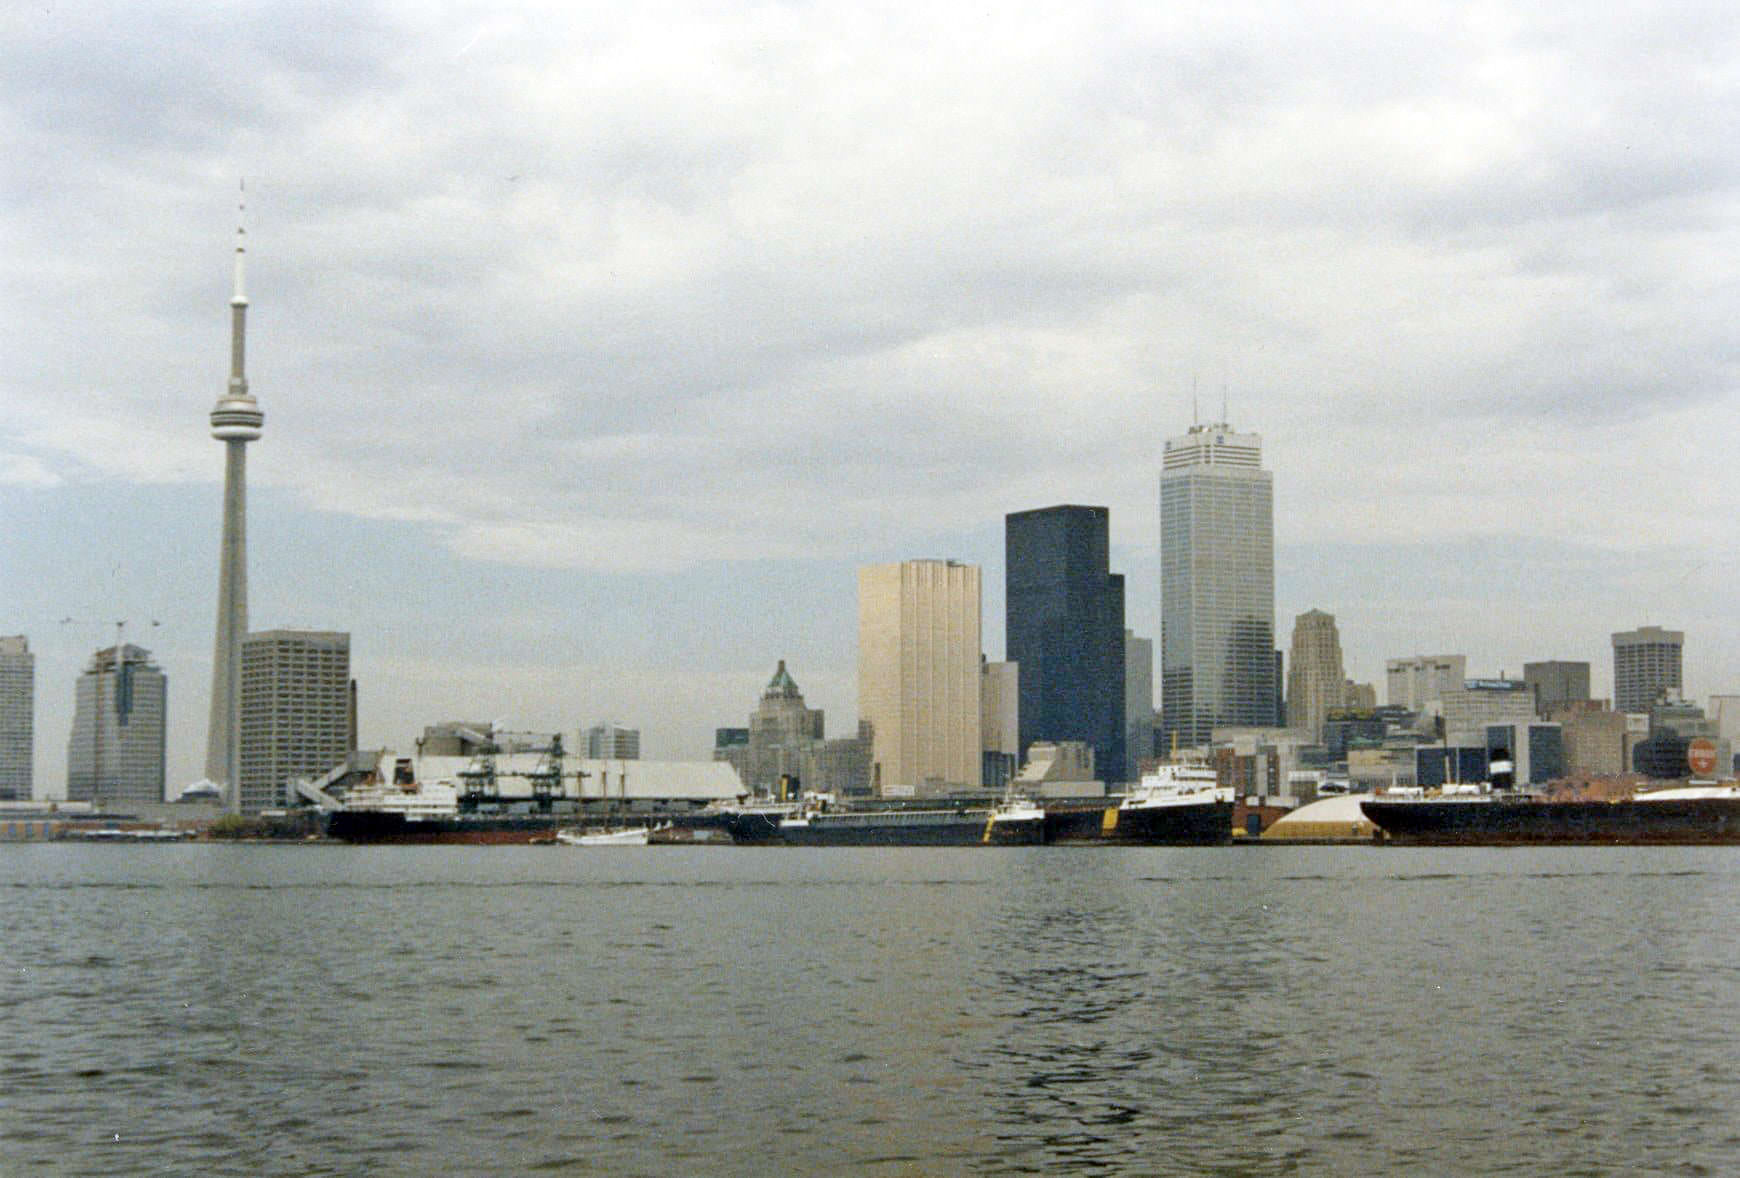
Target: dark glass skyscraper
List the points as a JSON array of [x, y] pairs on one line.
[[1065, 627]]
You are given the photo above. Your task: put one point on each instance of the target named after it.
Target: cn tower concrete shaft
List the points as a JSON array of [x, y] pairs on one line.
[[235, 421]]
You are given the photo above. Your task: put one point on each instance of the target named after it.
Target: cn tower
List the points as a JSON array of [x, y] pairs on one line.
[[236, 420]]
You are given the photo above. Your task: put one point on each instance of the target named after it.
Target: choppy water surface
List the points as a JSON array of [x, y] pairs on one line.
[[1262, 1011]]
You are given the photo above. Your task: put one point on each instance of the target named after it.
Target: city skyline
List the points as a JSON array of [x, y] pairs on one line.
[[589, 398]]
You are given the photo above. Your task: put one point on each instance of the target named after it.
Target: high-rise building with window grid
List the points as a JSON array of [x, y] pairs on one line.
[[115, 752], [298, 714], [1217, 584], [17, 717], [918, 673], [1646, 663], [1065, 628], [612, 742]]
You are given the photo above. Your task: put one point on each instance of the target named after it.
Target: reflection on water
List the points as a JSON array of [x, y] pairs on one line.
[[1260, 1011]]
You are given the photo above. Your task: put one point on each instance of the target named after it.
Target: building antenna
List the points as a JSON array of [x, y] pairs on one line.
[[1195, 411]]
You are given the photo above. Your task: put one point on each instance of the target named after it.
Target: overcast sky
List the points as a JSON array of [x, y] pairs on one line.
[[598, 345]]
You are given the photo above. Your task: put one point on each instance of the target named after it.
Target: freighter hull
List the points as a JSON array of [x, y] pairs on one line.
[[1676, 822], [962, 829], [1193, 825], [365, 826]]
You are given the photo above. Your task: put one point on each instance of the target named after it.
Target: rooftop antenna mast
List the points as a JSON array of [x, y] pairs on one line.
[[1195, 408]]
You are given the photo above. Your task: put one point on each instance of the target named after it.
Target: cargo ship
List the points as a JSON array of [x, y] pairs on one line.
[[1180, 805], [819, 824], [430, 812], [752, 822], [1177, 805], [1480, 815]]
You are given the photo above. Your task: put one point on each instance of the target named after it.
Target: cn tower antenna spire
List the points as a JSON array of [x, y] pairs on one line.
[[241, 243]]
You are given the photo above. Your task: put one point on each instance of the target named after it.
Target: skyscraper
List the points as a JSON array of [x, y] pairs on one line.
[[1000, 721], [1217, 584], [784, 749], [1316, 683], [1065, 628], [918, 672], [120, 706], [17, 718], [1646, 662], [297, 718], [236, 420], [1138, 702]]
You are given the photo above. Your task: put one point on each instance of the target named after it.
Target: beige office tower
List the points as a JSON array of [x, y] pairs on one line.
[[918, 674], [999, 722], [297, 716], [1316, 683]]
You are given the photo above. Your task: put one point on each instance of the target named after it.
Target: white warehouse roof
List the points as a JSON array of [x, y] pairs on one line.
[[697, 781]]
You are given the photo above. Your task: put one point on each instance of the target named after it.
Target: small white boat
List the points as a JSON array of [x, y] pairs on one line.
[[628, 836]]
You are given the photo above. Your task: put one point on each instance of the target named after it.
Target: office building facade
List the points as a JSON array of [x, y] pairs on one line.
[[613, 742], [1557, 683], [999, 721], [1138, 703], [782, 731], [1316, 682], [120, 708], [1217, 584], [1421, 682], [785, 749], [919, 646], [1065, 629], [17, 718], [1487, 703], [1646, 665], [298, 716]]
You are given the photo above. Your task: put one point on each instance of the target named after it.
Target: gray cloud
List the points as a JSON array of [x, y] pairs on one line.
[[612, 290]]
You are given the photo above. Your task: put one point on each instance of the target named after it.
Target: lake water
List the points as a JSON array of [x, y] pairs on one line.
[[748, 1011]]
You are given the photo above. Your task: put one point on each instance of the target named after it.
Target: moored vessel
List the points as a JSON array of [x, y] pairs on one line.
[[430, 812], [1016, 822], [622, 836], [1179, 804], [1491, 814], [818, 823]]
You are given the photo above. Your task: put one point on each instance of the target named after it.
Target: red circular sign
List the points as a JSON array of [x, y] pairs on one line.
[[1701, 756]]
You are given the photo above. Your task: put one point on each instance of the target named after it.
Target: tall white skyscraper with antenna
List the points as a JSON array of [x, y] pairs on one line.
[[1217, 584], [236, 420]]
